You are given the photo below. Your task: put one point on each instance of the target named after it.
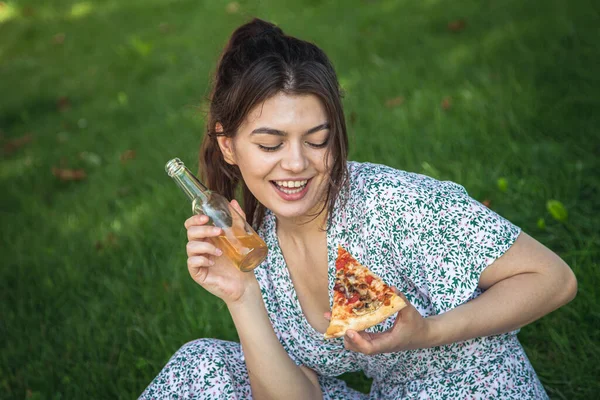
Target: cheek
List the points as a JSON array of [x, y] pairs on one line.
[[255, 164], [324, 162]]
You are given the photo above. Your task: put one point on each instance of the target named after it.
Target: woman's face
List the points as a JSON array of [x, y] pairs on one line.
[[281, 151]]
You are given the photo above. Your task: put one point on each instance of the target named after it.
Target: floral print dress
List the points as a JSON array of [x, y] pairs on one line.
[[426, 237]]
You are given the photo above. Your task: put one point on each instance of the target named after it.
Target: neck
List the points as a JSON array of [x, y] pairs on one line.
[[302, 228]]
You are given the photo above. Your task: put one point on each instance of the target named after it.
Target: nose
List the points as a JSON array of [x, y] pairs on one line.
[[294, 160]]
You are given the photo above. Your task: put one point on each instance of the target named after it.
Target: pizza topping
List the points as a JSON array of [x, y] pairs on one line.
[[361, 291], [351, 278], [344, 258], [367, 308], [339, 287], [362, 296], [353, 299]]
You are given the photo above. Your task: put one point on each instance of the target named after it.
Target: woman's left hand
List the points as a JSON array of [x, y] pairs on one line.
[[410, 331]]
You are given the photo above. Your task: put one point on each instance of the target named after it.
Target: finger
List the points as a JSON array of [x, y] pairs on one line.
[[195, 248], [198, 274], [238, 217], [196, 262], [359, 342], [198, 219], [409, 306], [203, 232], [238, 208], [371, 343], [327, 315], [399, 293]]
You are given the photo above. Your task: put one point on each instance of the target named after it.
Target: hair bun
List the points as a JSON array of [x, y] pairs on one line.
[[254, 29]]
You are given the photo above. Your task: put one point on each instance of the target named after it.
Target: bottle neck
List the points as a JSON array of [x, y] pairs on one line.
[[189, 184]]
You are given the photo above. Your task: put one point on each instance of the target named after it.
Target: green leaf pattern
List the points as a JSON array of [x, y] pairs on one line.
[[426, 237]]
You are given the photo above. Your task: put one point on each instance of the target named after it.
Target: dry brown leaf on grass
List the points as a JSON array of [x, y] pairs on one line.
[[63, 104], [457, 26], [28, 11], [487, 203], [59, 38], [394, 102], [352, 118], [164, 27], [127, 155], [66, 174], [447, 103], [15, 144], [110, 240]]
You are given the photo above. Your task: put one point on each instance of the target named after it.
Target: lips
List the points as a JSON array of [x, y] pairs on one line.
[[291, 187], [289, 191]]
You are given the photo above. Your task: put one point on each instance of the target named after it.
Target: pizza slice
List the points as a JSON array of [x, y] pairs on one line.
[[360, 298]]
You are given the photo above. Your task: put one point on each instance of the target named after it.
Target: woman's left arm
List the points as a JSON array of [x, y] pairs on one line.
[[524, 284]]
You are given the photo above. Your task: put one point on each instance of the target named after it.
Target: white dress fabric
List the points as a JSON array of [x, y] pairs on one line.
[[426, 237]]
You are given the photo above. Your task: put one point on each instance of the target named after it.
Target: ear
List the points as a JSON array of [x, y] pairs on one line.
[[226, 145]]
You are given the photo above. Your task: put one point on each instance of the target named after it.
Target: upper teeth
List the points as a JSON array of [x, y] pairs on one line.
[[291, 184]]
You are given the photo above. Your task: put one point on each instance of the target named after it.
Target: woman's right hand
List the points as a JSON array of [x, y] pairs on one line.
[[209, 267]]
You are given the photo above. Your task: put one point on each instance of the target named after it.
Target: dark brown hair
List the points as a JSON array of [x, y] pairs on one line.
[[258, 62]]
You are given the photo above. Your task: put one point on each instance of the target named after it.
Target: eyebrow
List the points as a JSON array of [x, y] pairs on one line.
[[278, 132]]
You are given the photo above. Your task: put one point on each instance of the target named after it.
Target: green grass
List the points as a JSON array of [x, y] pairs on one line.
[[95, 295]]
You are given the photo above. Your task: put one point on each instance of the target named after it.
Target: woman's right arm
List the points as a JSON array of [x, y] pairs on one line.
[[273, 374]]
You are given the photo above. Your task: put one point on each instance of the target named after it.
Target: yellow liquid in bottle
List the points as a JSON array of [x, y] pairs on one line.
[[239, 242], [246, 251]]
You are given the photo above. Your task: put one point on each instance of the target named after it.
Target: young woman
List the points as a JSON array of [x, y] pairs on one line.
[[276, 128]]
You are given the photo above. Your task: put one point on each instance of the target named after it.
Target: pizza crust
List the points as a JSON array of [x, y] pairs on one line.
[[339, 326]]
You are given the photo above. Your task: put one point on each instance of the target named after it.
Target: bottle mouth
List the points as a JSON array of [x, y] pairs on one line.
[[173, 166]]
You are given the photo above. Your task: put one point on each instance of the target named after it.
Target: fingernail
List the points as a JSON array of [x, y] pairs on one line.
[[211, 262], [350, 335], [218, 252], [217, 230]]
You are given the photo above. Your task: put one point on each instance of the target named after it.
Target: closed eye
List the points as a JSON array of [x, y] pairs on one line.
[[313, 145], [267, 148], [320, 145]]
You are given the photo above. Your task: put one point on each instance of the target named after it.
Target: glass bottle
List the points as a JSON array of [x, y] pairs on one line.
[[239, 242]]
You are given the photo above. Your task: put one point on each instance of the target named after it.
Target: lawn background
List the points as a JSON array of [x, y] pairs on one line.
[[499, 96]]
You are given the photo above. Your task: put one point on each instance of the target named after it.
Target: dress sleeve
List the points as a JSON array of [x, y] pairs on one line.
[[457, 239]]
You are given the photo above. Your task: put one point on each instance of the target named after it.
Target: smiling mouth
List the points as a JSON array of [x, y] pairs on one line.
[[291, 187]]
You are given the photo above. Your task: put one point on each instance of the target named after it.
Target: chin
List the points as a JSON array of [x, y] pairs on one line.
[[296, 212], [303, 208], [285, 212]]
